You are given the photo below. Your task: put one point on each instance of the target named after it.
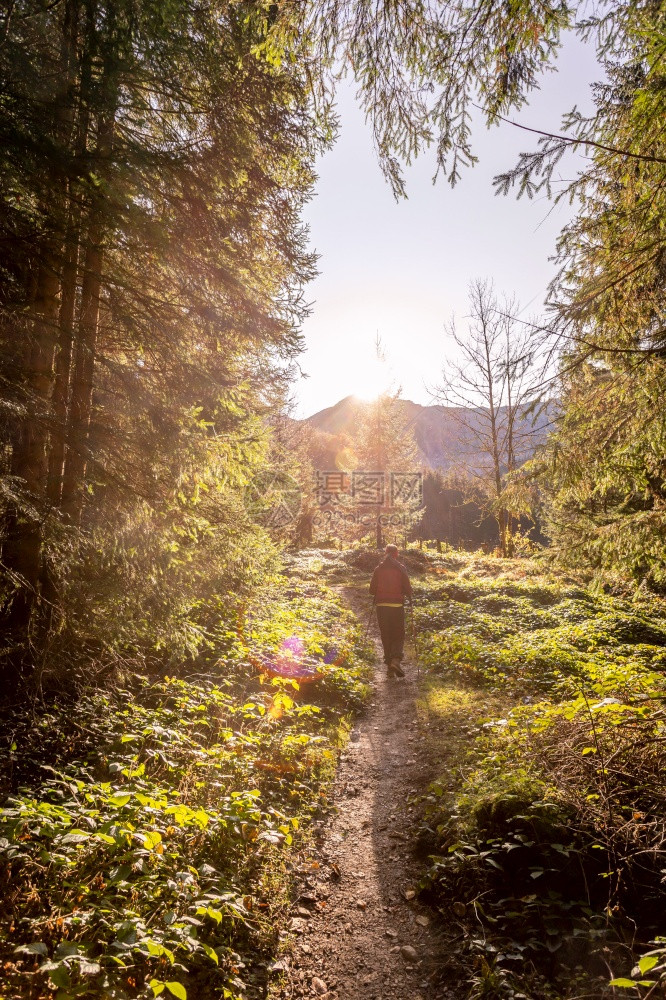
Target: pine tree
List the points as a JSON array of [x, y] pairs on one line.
[[154, 259], [603, 472], [384, 446]]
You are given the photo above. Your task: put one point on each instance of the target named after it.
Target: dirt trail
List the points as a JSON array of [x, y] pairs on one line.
[[358, 932]]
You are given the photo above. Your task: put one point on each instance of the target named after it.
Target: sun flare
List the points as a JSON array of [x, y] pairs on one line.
[[370, 378]]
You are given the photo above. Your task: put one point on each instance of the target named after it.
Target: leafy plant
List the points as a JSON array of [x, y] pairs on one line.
[[144, 853], [552, 834]]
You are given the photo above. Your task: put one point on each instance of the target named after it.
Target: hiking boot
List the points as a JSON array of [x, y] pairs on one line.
[[396, 669], [390, 671]]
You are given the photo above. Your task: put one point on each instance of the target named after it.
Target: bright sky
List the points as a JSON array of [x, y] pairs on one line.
[[401, 269]]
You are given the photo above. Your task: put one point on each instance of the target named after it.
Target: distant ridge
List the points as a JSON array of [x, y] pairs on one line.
[[441, 440], [338, 418]]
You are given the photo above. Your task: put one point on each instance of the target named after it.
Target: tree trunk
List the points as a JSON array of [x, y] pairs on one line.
[[82, 382], [510, 460], [22, 548], [497, 469], [62, 368], [379, 535], [86, 344], [501, 525], [69, 285]]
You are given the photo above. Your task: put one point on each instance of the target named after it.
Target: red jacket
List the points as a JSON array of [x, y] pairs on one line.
[[390, 583]]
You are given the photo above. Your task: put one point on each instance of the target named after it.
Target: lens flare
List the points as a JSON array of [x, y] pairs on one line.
[[293, 662]]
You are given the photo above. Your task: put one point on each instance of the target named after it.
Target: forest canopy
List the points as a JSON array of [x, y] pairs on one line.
[[155, 161]]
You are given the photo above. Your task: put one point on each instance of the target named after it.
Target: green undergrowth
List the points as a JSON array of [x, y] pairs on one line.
[[149, 830], [547, 828]]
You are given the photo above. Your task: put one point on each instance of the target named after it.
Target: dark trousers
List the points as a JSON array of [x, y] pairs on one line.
[[392, 630]]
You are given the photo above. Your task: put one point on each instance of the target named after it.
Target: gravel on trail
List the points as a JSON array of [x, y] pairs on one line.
[[358, 931]]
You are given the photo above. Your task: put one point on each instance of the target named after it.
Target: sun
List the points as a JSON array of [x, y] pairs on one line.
[[363, 372], [371, 378]]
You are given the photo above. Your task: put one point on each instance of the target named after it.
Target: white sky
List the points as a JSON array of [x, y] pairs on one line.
[[401, 269]]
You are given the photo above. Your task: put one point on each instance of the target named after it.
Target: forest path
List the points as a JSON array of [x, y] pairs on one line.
[[358, 931]]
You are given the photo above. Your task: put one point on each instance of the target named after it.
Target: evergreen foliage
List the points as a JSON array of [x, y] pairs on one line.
[[603, 475], [603, 472], [155, 160], [421, 66]]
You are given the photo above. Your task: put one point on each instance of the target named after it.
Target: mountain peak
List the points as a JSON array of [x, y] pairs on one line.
[[444, 440]]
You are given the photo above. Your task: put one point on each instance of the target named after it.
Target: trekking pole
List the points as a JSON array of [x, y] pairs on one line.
[[365, 633], [416, 648], [367, 624]]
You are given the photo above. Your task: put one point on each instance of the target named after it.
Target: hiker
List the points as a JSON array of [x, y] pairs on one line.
[[390, 586]]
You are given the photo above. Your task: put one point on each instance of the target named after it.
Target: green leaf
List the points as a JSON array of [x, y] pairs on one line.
[[646, 963], [624, 983], [178, 990], [75, 837], [36, 948], [212, 954], [119, 800], [105, 838], [157, 986], [60, 977]]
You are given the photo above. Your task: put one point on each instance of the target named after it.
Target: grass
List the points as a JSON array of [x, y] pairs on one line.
[[448, 717], [150, 829], [543, 703]]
